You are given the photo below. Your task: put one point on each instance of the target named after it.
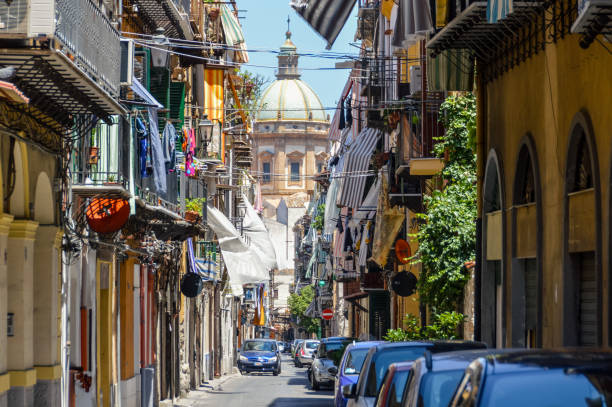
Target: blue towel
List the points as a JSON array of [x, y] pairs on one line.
[[143, 146]]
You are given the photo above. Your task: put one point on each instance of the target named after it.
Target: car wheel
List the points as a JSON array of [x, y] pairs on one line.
[[276, 372], [313, 382], [299, 364]]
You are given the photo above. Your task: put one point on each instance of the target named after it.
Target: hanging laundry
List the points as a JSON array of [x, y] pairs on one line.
[[157, 155], [143, 146], [189, 150], [342, 123], [169, 146], [349, 113]]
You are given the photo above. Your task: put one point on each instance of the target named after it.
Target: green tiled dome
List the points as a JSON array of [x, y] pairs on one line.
[[290, 99]]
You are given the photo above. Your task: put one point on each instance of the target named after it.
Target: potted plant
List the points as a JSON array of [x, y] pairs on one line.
[[111, 180], [193, 209]]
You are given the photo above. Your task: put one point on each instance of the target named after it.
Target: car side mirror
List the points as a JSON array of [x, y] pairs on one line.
[[315, 353], [348, 391], [238, 350], [333, 370]]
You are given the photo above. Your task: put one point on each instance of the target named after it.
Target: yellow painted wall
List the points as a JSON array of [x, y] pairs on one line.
[[105, 282], [126, 302], [541, 96]]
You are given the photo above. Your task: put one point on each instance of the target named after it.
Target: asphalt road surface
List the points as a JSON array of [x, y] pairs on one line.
[[289, 389]]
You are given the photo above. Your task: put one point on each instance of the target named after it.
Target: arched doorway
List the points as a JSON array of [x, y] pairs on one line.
[[492, 325], [582, 303], [44, 204], [526, 249], [17, 180]]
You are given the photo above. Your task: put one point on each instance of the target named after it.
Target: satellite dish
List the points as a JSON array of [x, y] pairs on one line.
[[191, 285], [404, 284], [403, 251]]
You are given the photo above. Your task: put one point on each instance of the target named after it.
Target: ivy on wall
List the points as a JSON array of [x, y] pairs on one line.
[[447, 235]]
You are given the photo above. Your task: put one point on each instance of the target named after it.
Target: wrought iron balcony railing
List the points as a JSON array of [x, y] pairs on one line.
[[85, 34]]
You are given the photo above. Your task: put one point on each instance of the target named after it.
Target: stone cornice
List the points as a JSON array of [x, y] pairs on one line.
[[5, 223], [23, 229]]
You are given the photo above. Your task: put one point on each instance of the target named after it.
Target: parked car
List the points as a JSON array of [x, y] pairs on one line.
[[537, 378], [392, 388], [349, 368], [281, 346], [305, 352], [294, 346], [259, 355], [326, 360], [434, 378], [364, 393]]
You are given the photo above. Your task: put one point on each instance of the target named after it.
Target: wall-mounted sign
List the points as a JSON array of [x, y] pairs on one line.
[[9, 325]]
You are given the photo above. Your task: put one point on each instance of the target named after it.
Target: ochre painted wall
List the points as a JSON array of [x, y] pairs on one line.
[[541, 96]]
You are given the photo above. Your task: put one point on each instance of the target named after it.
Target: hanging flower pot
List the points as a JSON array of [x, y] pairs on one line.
[[107, 215]]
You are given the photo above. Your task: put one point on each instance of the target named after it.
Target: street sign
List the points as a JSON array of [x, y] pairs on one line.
[[327, 314]]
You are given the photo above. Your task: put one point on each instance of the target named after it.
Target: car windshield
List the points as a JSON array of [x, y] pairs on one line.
[[334, 351], [381, 364], [396, 390], [259, 346], [312, 345], [558, 388], [354, 361], [437, 388]]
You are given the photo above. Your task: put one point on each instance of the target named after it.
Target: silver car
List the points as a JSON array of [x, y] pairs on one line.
[[305, 352]]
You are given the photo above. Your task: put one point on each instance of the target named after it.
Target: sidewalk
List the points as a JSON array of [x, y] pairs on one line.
[[194, 396]]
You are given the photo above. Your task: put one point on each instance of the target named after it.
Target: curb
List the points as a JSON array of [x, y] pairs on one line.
[[220, 381]]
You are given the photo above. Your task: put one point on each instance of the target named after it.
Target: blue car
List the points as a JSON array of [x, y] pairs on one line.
[[349, 368], [259, 355]]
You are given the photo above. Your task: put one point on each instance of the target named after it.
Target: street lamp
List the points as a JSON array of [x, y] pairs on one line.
[[160, 54], [205, 128]]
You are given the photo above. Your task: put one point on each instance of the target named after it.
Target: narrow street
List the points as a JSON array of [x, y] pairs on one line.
[[288, 389]]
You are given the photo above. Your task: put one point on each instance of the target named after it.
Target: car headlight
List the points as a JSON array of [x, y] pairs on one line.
[[244, 358]]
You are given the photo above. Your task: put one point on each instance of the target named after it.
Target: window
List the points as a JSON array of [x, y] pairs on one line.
[[295, 172], [266, 173]]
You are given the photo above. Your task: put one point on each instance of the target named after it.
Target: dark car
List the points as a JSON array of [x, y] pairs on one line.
[[326, 360], [434, 378], [364, 393], [259, 355], [537, 378]]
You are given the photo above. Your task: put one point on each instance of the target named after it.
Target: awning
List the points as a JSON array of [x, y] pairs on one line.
[[255, 229], [144, 94], [243, 264], [232, 30], [213, 93], [451, 70], [326, 17], [357, 160], [413, 23], [10, 92], [367, 209]]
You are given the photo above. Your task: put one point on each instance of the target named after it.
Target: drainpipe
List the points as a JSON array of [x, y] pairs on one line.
[[480, 163]]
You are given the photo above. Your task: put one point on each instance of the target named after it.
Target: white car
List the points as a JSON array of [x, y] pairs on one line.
[[280, 346], [305, 352]]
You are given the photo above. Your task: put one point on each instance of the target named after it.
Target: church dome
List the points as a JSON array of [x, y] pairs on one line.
[[288, 97]]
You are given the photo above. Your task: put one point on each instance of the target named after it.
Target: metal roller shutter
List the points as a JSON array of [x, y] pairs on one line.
[[531, 301], [588, 321]]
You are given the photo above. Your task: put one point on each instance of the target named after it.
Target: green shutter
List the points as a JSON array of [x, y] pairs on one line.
[[177, 104]]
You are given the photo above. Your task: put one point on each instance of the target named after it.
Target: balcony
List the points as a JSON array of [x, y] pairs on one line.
[[66, 55]]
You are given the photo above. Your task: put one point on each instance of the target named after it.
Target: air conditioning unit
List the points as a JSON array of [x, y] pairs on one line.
[[127, 62], [415, 79], [14, 17]]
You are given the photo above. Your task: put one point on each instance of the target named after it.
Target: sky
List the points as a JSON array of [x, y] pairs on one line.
[[264, 23]]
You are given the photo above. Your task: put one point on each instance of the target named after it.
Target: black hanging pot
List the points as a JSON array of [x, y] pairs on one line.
[[191, 285]]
